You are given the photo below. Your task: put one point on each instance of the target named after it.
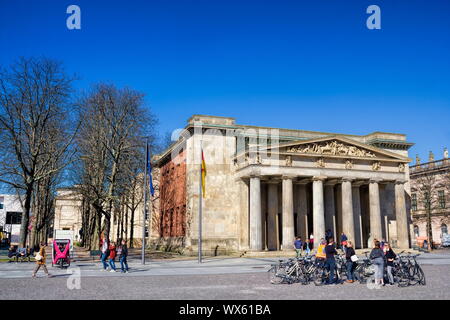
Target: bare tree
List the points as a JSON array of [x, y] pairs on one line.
[[426, 192], [114, 124], [36, 126]]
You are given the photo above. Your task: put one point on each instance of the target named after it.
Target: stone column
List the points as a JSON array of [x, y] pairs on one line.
[[272, 209], [330, 208], [244, 216], [348, 224], [375, 210], [302, 212], [357, 216], [401, 216], [318, 209], [263, 215], [255, 214], [288, 213]]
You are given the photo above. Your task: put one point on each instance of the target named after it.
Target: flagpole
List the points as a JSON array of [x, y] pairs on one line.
[[200, 208], [145, 202]]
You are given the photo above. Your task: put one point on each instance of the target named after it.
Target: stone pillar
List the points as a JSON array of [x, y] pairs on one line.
[[357, 218], [302, 212], [375, 210], [318, 210], [244, 216], [255, 214], [263, 215], [330, 209], [401, 216], [348, 224], [288, 213], [272, 209]]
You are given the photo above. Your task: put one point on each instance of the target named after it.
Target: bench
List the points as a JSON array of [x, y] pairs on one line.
[[95, 253], [17, 257]]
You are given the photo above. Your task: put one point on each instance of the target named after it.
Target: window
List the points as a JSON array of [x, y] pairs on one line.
[[13, 217], [414, 202], [441, 197], [444, 229], [416, 231]]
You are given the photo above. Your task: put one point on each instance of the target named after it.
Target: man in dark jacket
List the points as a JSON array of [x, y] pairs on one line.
[[330, 263], [123, 257]]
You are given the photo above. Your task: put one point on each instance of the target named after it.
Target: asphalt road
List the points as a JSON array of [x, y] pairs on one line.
[[226, 279], [218, 286]]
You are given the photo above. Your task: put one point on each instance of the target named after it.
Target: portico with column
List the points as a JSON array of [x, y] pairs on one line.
[[309, 175]]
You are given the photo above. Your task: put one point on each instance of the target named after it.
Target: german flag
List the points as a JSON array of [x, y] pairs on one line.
[[203, 174]]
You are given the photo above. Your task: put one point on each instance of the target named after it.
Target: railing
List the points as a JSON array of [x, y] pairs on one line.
[[438, 164]]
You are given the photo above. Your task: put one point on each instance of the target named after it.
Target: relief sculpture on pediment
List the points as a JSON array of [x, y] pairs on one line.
[[333, 148]]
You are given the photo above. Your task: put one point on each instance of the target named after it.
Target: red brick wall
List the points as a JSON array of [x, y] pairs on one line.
[[173, 197]]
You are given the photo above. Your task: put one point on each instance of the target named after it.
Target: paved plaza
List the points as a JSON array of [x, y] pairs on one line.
[[216, 278]]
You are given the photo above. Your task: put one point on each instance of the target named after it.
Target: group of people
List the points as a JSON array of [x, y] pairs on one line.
[[108, 249], [110, 252], [301, 246], [15, 254], [380, 255]]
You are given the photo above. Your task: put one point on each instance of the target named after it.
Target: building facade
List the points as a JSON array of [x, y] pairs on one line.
[[264, 186], [430, 187], [68, 217], [10, 217]]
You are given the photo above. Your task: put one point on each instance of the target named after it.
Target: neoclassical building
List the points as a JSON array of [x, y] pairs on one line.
[[430, 186], [264, 186]]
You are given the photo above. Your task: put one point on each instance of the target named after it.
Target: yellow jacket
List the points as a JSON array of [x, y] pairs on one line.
[[320, 253]]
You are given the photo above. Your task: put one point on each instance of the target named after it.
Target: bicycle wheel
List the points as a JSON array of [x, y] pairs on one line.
[[359, 275], [421, 276], [320, 276], [274, 275], [403, 279], [368, 270]]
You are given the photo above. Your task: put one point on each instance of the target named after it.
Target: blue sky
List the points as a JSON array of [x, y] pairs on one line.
[[309, 65]]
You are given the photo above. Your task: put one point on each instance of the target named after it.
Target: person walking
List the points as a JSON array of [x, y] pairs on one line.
[[330, 262], [306, 247], [40, 261], [123, 254], [349, 263], [377, 258], [298, 246], [390, 257], [105, 254], [112, 257], [311, 241]]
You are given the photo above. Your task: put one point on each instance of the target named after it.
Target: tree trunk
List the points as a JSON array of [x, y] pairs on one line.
[[26, 216], [132, 228], [429, 230]]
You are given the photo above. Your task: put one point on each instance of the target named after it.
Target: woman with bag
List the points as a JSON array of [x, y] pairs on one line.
[[40, 261], [377, 257], [351, 259]]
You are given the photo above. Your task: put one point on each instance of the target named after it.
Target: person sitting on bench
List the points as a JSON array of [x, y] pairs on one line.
[[12, 252], [22, 253]]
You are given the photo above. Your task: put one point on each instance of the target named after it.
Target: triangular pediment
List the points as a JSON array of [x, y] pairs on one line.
[[337, 146]]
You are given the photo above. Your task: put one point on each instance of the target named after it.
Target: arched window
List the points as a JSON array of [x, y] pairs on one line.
[[444, 229], [416, 231]]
